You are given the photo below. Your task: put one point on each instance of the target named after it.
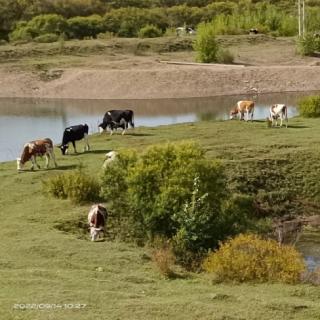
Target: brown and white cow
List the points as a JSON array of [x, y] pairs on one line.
[[97, 219], [36, 148], [242, 107], [278, 111]]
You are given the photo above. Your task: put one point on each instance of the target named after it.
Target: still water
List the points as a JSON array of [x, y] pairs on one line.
[[22, 120]]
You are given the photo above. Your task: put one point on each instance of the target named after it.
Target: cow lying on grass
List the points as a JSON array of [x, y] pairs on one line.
[[36, 148], [241, 108], [97, 219]]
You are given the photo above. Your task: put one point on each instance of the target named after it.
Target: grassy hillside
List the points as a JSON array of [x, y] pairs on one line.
[[45, 258]]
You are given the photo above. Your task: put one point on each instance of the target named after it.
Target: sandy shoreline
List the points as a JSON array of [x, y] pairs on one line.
[[160, 81]]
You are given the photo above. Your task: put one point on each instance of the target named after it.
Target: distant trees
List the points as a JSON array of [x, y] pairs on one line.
[[87, 18]]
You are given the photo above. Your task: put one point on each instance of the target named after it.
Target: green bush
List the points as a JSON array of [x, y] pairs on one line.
[[47, 38], [308, 44], [81, 27], [76, 186], [175, 192], [309, 107], [38, 26], [250, 258], [206, 44], [149, 31]]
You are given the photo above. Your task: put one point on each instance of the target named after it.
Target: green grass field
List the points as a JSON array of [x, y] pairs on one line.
[[46, 259]]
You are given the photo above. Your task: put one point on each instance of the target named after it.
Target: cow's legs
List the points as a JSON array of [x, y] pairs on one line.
[[74, 146], [125, 127], [86, 140], [52, 156], [34, 162], [47, 160]]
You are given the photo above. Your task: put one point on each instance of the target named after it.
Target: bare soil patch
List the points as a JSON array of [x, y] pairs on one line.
[[131, 69]]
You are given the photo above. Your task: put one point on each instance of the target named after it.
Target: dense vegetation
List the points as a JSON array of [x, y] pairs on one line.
[[251, 258], [309, 107], [87, 18]]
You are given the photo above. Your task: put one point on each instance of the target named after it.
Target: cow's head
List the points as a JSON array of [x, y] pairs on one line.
[[64, 149], [19, 164], [233, 113], [95, 232], [102, 126]]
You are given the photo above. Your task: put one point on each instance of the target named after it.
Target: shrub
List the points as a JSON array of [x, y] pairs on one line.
[[172, 190], [77, 186], [39, 25], [206, 44], [149, 31], [309, 107], [163, 257], [81, 27], [248, 257], [225, 56], [47, 38], [308, 44]]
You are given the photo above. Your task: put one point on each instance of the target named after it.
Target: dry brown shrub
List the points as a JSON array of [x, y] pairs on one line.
[[164, 258]]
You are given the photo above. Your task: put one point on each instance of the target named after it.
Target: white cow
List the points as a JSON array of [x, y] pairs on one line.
[[242, 107], [109, 157], [97, 219], [278, 111]]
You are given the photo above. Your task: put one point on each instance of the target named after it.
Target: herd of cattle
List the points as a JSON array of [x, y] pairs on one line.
[[113, 120]]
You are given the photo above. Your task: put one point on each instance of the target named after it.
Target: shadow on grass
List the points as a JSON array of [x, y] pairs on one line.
[[104, 151], [64, 167]]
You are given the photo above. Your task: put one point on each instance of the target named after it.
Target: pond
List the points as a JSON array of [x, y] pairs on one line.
[[24, 120], [309, 245]]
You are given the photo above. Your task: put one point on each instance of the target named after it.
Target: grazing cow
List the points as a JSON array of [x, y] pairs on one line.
[[73, 134], [241, 108], [180, 31], [109, 157], [36, 148], [97, 219], [114, 119], [278, 111], [253, 31]]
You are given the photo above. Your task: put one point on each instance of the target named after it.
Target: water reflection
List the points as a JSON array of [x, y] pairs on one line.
[[26, 119]]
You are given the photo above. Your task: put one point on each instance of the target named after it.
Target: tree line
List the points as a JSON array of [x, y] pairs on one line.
[[25, 20]]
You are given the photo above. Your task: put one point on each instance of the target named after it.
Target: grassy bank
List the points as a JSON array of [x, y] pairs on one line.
[[46, 259]]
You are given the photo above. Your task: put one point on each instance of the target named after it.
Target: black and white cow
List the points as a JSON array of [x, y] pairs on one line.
[[114, 119], [72, 134]]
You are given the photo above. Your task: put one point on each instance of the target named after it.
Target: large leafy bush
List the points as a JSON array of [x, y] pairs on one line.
[[248, 257], [80, 27], [172, 190], [309, 107], [39, 25]]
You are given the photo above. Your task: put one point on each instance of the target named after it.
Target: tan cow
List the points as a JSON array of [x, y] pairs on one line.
[[36, 148], [242, 107]]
